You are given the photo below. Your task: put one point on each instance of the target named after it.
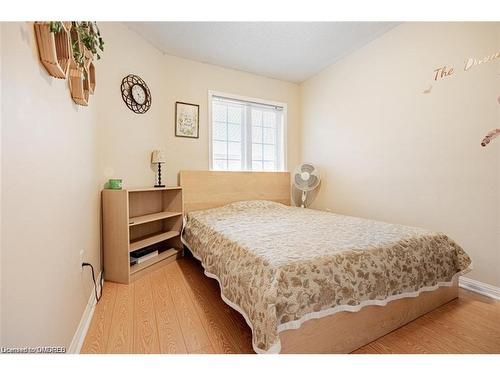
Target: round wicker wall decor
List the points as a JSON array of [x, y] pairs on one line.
[[136, 94]]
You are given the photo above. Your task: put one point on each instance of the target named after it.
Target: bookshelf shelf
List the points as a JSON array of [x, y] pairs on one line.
[[170, 253], [151, 240], [137, 220], [154, 189]]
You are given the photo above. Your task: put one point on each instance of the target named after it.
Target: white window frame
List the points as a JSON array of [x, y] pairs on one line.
[[283, 132]]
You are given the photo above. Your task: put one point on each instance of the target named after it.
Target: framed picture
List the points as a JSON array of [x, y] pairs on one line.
[[187, 117]]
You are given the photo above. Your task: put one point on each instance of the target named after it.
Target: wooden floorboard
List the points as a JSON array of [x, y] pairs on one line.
[[121, 335], [211, 287], [177, 309], [169, 329], [145, 326], [96, 340], [193, 330], [219, 324]]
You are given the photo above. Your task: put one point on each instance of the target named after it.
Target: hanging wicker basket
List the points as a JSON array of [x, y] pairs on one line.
[[54, 48], [90, 67], [78, 79], [79, 84], [57, 54]]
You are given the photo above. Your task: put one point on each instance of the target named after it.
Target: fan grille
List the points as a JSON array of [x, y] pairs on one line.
[[306, 167], [306, 177]]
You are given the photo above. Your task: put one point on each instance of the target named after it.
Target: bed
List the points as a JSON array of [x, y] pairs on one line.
[[308, 281]]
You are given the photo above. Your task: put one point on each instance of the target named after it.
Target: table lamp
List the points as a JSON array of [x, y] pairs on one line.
[[158, 157]]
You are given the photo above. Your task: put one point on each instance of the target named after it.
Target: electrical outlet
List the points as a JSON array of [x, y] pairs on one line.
[[82, 255]]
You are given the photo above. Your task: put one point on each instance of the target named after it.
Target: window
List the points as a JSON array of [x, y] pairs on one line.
[[246, 134]]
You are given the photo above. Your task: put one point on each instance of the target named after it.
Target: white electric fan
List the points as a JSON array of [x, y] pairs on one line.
[[306, 178]]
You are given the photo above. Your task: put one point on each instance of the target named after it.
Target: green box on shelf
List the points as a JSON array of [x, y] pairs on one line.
[[115, 184]]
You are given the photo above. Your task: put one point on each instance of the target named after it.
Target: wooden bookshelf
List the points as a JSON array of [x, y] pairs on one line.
[[134, 219]]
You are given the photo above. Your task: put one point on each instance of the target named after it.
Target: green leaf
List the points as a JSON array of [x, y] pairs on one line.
[[90, 37], [55, 26]]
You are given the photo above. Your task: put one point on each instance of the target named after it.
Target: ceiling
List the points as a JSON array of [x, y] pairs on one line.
[[290, 51]]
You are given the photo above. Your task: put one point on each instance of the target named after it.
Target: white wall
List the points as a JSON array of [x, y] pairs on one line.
[[389, 152], [50, 198], [127, 139]]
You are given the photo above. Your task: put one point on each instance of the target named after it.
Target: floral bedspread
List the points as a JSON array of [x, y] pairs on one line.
[[280, 266]]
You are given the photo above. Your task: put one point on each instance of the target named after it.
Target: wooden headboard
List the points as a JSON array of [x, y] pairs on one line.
[[207, 189]]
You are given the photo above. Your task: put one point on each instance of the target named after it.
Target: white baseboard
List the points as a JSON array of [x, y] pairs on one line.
[[76, 344], [479, 287]]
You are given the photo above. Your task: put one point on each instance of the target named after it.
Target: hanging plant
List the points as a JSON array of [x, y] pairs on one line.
[[87, 36], [91, 37], [67, 50], [76, 46], [55, 26]]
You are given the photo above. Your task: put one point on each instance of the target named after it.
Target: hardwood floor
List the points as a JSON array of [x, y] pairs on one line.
[[177, 309]]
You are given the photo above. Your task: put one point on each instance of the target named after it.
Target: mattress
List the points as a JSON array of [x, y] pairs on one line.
[[280, 266]]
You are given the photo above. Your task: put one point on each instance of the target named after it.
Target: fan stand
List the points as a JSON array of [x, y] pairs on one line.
[[304, 196]]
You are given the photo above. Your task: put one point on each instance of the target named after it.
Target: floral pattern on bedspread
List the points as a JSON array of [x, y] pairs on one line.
[[278, 263]]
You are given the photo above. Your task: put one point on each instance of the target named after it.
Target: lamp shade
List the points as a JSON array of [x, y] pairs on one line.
[[158, 156]]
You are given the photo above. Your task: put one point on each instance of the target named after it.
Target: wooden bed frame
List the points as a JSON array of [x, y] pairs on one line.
[[342, 332]]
